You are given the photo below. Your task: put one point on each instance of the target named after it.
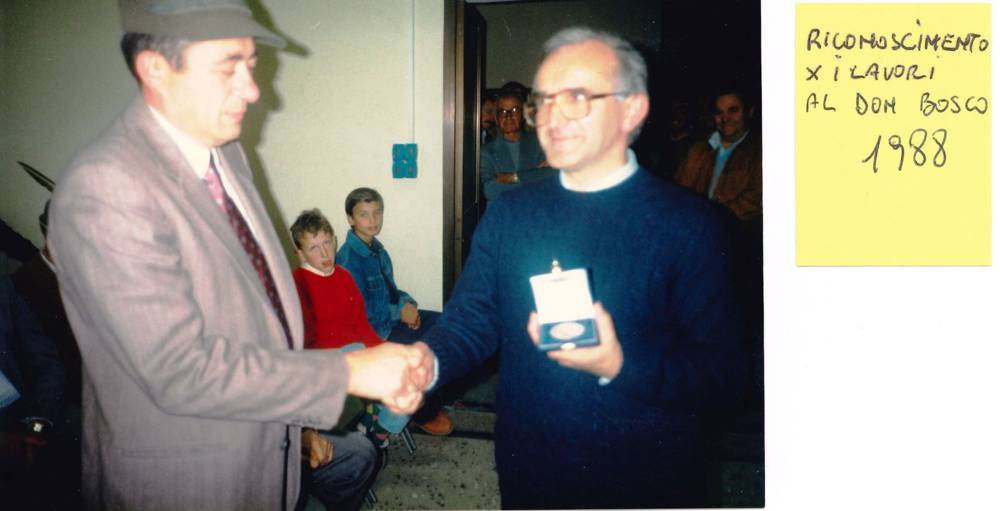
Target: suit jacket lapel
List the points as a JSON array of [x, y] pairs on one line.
[[234, 160], [202, 204]]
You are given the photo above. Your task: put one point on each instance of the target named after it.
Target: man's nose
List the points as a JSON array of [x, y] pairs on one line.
[[555, 118], [247, 86]]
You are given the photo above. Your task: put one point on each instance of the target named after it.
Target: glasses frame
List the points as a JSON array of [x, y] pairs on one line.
[[504, 112], [531, 108]]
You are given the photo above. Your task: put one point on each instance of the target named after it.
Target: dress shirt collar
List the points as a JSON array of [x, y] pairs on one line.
[[613, 178], [196, 154], [716, 140], [199, 158]]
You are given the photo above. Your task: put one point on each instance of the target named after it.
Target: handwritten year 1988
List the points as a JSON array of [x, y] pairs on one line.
[[918, 139]]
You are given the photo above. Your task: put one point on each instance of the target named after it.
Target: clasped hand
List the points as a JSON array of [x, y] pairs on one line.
[[392, 373]]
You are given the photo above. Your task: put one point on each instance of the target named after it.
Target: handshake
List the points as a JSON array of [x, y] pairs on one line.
[[395, 374]]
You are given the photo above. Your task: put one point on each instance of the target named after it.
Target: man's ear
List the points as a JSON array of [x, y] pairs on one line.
[[152, 68], [636, 110]]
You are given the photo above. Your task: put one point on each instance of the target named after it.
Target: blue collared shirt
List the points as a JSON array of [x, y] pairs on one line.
[[722, 155], [367, 265]]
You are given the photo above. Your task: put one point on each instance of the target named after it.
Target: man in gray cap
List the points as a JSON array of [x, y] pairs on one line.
[[195, 384]]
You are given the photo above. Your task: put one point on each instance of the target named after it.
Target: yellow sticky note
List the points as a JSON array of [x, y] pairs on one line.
[[892, 134]]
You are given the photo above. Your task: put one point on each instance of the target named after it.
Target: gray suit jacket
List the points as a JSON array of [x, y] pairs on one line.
[[188, 383]]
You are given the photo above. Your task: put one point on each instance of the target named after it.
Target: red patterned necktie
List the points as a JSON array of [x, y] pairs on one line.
[[242, 230]]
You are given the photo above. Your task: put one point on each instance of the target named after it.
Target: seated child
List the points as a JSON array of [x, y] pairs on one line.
[[333, 309], [391, 311]]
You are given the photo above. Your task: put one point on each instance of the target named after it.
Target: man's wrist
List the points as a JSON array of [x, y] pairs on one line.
[[351, 360], [607, 378], [613, 372]]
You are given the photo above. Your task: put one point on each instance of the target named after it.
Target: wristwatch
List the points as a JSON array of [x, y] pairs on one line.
[[37, 425]]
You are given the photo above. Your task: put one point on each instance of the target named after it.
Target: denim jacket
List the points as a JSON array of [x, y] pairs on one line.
[[363, 263]]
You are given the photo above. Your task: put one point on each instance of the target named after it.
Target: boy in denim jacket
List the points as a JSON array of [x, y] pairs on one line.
[[392, 312]]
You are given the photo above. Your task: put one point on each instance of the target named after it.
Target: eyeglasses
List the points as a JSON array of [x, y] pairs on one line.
[[503, 112], [573, 104]]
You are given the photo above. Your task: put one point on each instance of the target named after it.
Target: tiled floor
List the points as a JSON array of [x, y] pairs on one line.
[[458, 472], [444, 473]]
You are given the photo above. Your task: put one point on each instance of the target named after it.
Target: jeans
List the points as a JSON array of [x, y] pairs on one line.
[[403, 334], [340, 484]]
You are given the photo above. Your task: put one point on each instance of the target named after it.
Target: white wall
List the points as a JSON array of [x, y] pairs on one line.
[[342, 108], [515, 32], [325, 124], [62, 79]]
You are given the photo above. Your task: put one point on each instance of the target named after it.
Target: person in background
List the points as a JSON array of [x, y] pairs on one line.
[[487, 119], [680, 139], [35, 282], [334, 317], [515, 156], [333, 310], [727, 167], [32, 395], [392, 312]]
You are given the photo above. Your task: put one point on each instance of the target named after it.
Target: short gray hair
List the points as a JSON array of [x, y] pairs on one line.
[[630, 71], [172, 48]]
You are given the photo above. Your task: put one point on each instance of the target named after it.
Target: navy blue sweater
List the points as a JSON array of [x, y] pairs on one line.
[[657, 260]]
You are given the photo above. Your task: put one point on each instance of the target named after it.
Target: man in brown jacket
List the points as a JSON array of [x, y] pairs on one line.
[[727, 167]]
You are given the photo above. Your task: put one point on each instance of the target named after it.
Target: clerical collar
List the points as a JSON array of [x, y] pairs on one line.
[[315, 270], [613, 178], [196, 154]]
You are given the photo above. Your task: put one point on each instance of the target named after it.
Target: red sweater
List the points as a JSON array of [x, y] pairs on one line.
[[333, 310]]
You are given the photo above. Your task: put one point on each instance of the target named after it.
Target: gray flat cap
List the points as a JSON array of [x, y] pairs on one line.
[[195, 20]]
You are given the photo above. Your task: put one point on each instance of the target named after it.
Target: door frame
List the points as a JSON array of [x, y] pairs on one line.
[[454, 124], [452, 150]]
